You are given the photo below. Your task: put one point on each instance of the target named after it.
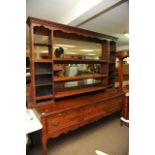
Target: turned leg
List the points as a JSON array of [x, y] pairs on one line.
[[44, 137], [125, 109], [44, 146]]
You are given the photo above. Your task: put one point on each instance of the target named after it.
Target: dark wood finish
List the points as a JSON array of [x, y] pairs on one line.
[[64, 110]]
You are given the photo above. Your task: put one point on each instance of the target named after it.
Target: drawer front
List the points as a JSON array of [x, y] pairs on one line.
[[62, 120], [114, 105], [88, 112], [102, 108], [92, 111]]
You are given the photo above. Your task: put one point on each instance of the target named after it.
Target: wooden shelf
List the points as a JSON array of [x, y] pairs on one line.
[[78, 77], [44, 97], [74, 60], [42, 44], [57, 69], [42, 60], [81, 91], [43, 73], [44, 84]]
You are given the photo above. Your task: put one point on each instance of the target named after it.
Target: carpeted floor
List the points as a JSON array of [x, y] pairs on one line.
[[106, 135]]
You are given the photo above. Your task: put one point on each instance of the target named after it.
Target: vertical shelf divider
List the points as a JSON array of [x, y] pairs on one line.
[[41, 91], [112, 61], [52, 60], [105, 56], [32, 70]]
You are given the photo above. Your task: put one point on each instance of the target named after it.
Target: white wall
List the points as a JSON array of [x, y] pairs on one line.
[[124, 47]]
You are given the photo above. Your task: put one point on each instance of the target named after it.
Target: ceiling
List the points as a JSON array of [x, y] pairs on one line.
[[109, 17]]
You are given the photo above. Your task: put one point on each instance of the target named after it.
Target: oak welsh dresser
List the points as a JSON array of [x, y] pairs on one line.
[[72, 77]]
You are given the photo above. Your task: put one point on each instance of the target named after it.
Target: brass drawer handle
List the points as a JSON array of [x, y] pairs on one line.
[[55, 123], [62, 115]]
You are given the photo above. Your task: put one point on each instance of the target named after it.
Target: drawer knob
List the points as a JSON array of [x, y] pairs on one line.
[[62, 115], [55, 123]]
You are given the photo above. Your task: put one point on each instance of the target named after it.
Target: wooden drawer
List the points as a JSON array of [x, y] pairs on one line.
[[114, 105], [72, 117], [102, 108], [63, 120], [92, 111], [87, 112]]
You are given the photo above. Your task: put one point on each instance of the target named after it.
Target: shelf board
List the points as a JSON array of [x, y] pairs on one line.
[[43, 73], [44, 97], [79, 91], [74, 60], [42, 44], [42, 60], [44, 84], [78, 77], [57, 69]]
